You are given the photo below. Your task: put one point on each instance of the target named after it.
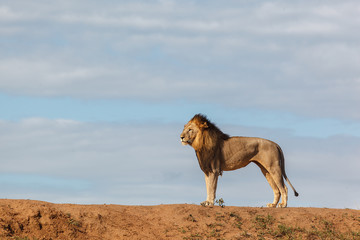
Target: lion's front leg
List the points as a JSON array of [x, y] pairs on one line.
[[211, 184]]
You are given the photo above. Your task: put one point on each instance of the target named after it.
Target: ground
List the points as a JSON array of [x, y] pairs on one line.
[[28, 220]]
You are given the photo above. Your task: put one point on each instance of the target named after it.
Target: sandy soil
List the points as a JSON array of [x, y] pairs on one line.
[[26, 219]]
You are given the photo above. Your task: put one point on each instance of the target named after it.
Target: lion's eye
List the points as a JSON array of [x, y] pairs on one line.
[[190, 130]]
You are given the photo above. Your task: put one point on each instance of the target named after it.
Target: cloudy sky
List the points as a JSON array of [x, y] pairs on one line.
[[94, 96]]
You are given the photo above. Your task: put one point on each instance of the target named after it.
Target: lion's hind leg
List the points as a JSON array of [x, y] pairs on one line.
[[279, 181], [272, 185]]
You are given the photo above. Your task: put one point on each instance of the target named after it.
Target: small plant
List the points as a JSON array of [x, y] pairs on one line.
[[74, 222], [234, 215], [196, 236], [214, 225], [329, 227], [219, 216], [245, 234], [285, 231], [262, 222], [191, 218], [238, 220], [355, 235], [214, 234], [238, 225], [220, 202]]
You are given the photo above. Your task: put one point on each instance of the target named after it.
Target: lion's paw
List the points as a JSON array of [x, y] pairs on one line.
[[207, 203], [271, 205], [282, 205]]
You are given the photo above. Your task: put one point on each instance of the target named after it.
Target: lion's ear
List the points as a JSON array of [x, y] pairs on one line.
[[204, 125]]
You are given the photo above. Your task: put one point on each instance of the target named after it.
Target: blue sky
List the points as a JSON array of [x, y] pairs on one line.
[[16, 108], [90, 89]]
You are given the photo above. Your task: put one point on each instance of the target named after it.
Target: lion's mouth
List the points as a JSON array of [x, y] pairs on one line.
[[184, 142]]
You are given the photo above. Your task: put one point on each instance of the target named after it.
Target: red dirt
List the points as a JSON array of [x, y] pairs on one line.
[[26, 219]]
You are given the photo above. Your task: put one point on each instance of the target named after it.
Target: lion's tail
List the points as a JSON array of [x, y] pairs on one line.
[[282, 163]]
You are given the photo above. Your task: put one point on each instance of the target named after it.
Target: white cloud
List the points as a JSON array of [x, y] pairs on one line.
[[6, 13], [295, 57]]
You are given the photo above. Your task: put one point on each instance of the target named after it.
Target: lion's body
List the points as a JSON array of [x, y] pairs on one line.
[[217, 152], [238, 152]]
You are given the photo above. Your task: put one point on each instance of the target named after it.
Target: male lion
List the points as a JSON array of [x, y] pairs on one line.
[[217, 152]]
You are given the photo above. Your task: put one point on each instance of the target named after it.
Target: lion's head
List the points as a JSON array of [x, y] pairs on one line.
[[193, 129], [199, 132], [207, 141]]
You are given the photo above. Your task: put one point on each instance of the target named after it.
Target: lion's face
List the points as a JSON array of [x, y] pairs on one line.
[[189, 133]]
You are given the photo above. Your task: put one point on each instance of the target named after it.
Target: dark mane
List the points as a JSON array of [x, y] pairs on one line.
[[208, 148], [200, 118]]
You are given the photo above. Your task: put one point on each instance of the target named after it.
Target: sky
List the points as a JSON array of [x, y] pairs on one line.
[[94, 96]]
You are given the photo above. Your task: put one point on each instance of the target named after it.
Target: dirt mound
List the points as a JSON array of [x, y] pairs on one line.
[[25, 219]]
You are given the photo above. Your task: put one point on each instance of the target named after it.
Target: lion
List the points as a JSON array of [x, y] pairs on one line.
[[217, 152]]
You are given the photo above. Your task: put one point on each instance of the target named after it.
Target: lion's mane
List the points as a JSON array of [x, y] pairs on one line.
[[208, 145]]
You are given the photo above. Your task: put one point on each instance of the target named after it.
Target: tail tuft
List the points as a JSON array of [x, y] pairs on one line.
[[296, 194]]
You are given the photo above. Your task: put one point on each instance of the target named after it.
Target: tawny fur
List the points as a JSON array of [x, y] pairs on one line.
[[217, 152]]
